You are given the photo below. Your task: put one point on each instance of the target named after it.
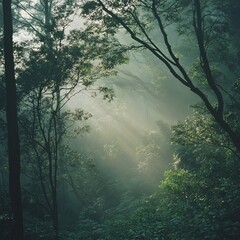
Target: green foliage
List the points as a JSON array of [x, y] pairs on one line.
[[186, 206], [199, 138], [88, 7], [39, 230], [200, 199], [204, 24], [154, 154], [86, 230], [107, 93], [53, 65]]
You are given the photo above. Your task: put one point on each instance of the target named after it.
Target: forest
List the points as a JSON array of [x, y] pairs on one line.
[[119, 120]]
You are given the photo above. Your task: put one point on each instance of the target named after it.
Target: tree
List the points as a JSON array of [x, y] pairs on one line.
[[54, 66], [187, 205], [147, 23], [154, 154], [12, 125], [199, 138]]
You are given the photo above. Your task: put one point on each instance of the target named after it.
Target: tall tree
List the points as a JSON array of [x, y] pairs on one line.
[[58, 65], [147, 23], [12, 125]]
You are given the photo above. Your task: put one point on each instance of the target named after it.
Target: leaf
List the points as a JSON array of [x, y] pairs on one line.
[[88, 7]]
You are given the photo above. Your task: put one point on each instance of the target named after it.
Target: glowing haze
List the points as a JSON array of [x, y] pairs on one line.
[[144, 95]]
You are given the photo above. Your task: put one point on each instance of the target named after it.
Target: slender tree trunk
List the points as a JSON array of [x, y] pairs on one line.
[[57, 130], [55, 217], [12, 125]]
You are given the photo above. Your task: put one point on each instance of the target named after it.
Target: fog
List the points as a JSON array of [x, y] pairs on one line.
[[130, 137], [100, 120], [147, 102]]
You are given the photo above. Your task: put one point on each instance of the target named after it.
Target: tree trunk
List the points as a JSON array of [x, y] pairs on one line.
[[55, 217], [176, 68], [12, 125]]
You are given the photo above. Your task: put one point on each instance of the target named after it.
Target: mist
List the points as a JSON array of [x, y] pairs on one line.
[[147, 102], [119, 120]]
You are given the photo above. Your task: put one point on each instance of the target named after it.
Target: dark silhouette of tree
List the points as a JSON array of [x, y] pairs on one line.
[[58, 66], [139, 18], [12, 125]]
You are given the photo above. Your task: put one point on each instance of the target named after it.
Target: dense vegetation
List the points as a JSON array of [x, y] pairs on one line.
[[86, 175]]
